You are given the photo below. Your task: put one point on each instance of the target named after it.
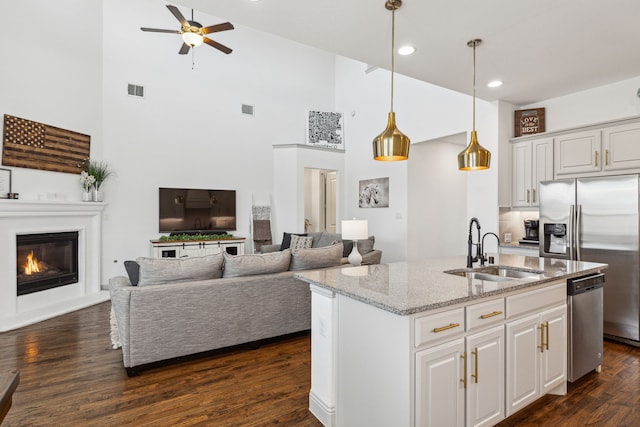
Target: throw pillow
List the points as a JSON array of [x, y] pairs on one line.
[[133, 271], [364, 246], [327, 239], [300, 242], [307, 259], [286, 240], [158, 271], [249, 265]]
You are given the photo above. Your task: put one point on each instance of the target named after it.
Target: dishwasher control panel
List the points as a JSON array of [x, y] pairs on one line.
[[578, 285]]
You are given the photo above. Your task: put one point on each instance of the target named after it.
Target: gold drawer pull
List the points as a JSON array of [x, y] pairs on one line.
[[495, 313], [444, 328]]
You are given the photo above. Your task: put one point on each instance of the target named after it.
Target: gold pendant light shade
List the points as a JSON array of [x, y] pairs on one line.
[[475, 156], [391, 145]]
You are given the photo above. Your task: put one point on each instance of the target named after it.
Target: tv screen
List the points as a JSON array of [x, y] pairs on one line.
[[188, 210]]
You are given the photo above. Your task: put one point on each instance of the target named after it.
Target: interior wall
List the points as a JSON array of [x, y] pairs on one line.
[[437, 212], [423, 112], [51, 72], [188, 130]]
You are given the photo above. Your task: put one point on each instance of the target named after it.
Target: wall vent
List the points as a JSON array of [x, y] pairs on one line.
[[135, 90], [247, 109]]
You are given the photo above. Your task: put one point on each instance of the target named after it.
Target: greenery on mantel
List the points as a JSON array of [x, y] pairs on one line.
[[195, 237]]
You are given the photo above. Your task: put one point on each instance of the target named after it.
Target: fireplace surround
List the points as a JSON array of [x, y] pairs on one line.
[[19, 218]]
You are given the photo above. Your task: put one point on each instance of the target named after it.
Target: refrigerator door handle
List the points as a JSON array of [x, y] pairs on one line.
[[578, 228], [571, 230]]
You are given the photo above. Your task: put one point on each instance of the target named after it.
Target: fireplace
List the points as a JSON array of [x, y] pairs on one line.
[[46, 261]]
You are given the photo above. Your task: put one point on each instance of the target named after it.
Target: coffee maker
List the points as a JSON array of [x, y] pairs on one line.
[[530, 231]]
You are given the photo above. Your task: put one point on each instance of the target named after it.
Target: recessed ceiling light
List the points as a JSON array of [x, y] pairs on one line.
[[495, 83], [406, 50]]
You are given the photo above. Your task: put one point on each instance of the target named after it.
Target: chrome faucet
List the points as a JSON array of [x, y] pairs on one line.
[[471, 259], [483, 257]]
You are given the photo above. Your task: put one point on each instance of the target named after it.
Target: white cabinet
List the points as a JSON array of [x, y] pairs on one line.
[[536, 357], [604, 151], [532, 163], [168, 249]]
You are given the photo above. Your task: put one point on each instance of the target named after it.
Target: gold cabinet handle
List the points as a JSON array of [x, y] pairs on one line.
[[534, 195], [475, 353], [486, 316], [596, 153], [546, 327], [444, 328], [541, 346], [528, 196], [606, 157], [463, 356]]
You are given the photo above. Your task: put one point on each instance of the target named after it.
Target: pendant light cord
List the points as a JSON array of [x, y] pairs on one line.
[[393, 43], [475, 43]]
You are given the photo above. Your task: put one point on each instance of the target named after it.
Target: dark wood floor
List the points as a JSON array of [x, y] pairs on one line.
[[70, 376]]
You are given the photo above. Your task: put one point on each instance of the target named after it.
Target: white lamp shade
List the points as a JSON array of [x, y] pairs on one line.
[[355, 229], [192, 39]]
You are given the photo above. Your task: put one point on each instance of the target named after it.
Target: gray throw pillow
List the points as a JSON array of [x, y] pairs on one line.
[[249, 265], [364, 246], [328, 239], [133, 271], [158, 271], [308, 259]]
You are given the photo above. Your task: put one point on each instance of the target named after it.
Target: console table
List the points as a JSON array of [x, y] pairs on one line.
[[8, 384], [186, 248]]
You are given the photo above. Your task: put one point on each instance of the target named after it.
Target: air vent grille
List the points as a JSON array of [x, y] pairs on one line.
[[247, 109], [135, 90]]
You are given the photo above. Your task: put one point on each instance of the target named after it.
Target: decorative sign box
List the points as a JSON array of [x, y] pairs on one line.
[[529, 122]]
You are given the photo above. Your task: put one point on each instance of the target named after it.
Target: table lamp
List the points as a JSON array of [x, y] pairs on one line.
[[355, 229]]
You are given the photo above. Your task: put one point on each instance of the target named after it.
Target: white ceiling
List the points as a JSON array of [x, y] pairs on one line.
[[541, 49]]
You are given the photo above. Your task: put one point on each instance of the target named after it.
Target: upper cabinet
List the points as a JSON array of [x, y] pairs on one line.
[[532, 163], [604, 151]]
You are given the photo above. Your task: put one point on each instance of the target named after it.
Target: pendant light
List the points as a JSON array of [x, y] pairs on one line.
[[475, 156], [391, 145]]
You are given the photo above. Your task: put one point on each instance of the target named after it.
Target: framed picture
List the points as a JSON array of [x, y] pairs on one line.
[[5, 183], [325, 129], [374, 193]]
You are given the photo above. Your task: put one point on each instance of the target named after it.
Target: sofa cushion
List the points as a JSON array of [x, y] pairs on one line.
[[328, 239], [286, 240], [307, 259], [158, 271], [133, 271], [364, 246], [249, 265], [300, 242]]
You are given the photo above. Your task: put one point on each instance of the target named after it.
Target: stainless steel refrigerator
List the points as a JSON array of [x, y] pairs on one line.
[[596, 219]]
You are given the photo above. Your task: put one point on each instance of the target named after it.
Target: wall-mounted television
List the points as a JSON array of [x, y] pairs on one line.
[[189, 210]]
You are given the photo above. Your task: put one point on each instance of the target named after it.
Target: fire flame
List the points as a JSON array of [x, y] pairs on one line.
[[32, 265]]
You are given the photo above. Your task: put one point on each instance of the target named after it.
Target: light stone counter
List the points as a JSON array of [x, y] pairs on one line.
[[412, 287]]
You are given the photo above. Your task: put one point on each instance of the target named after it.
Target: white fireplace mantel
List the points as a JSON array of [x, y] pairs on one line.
[[18, 217]]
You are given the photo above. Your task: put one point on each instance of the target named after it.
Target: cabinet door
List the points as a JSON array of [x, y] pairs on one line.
[[621, 148], [522, 340], [211, 248], [541, 165], [553, 369], [485, 377], [439, 389], [577, 153], [521, 191], [191, 249]]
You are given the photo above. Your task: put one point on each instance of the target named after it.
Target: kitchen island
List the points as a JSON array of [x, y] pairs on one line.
[[433, 343]]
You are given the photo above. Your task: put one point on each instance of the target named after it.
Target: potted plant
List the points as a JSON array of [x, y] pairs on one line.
[[100, 171]]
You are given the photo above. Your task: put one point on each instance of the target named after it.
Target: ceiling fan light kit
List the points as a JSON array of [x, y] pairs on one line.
[[193, 33], [474, 156], [391, 145]]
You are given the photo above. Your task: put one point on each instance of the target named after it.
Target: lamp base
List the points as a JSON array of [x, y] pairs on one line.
[[355, 258]]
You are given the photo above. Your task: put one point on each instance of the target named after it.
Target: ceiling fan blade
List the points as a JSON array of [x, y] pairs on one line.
[[215, 28], [157, 30], [220, 47], [184, 49], [177, 14]]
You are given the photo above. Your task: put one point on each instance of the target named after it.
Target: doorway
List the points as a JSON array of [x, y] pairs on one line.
[[320, 200]]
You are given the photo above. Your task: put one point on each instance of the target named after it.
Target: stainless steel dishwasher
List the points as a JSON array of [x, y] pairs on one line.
[[585, 325]]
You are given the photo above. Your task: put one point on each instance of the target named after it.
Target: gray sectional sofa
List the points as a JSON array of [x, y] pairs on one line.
[[180, 307]]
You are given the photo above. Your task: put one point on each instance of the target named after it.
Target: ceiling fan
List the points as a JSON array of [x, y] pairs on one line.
[[193, 33]]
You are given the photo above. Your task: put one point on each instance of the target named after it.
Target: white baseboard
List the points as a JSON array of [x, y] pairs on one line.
[[325, 414]]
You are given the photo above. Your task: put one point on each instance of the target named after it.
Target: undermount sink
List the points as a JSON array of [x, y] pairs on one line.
[[499, 273]]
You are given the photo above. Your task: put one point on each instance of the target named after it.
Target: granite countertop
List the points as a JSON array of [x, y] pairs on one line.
[[412, 287]]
